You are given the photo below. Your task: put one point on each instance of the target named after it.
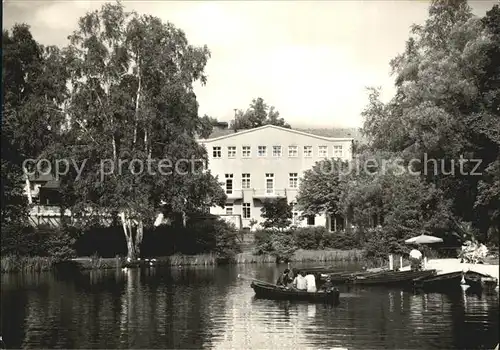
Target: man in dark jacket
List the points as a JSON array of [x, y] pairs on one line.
[[284, 278]]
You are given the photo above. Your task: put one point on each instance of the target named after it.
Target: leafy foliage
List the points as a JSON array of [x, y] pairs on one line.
[[41, 241], [33, 88], [277, 214], [446, 106], [132, 103], [318, 237], [280, 244], [320, 188], [258, 114]]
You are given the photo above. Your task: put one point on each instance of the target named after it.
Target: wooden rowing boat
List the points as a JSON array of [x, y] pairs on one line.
[[346, 277], [391, 278], [268, 291], [453, 280]]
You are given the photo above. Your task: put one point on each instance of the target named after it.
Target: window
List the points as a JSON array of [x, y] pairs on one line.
[[339, 223], [246, 210], [269, 183], [310, 220], [295, 213], [276, 151], [229, 183], [231, 152], [308, 151], [229, 208], [246, 152], [323, 151], [245, 180], [293, 180], [262, 151], [337, 151], [216, 152], [292, 151]]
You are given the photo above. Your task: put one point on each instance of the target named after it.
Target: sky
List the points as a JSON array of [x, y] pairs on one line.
[[312, 60]]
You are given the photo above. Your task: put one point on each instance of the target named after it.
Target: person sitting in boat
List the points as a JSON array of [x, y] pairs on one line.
[[311, 283], [284, 279], [328, 285], [300, 282], [416, 260]]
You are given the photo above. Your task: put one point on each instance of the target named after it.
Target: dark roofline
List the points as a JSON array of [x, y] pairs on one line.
[[221, 124]]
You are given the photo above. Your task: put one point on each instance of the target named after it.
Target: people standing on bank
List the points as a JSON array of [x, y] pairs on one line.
[[416, 260]]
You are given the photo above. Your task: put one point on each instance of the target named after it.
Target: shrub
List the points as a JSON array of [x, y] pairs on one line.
[[20, 240], [379, 244], [43, 241], [200, 236], [310, 237], [263, 242], [277, 214], [319, 237], [60, 244], [342, 240], [280, 244]]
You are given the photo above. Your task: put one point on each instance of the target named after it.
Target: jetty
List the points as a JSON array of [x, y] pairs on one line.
[[447, 266]]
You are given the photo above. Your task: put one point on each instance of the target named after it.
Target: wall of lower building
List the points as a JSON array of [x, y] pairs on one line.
[[256, 214], [228, 161]]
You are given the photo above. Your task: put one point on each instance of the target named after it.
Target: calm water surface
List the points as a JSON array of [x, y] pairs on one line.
[[213, 308]]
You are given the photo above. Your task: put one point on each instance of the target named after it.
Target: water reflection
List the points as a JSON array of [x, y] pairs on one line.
[[212, 308]]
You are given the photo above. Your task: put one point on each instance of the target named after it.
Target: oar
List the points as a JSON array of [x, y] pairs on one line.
[[243, 277]]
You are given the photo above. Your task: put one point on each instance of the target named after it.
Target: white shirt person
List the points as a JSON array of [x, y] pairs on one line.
[[300, 282], [416, 254], [311, 283]]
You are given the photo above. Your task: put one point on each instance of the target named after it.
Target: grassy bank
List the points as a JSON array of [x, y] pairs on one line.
[[36, 264], [26, 264], [302, 255]]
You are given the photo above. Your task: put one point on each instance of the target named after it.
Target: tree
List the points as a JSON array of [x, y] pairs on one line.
[[277, 214], [258, 114], [33, 88], [206, 126], [446, 103], [320, 188], [385, 193], [133, 118]]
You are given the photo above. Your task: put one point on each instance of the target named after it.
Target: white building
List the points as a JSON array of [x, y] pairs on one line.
[[268, 162]]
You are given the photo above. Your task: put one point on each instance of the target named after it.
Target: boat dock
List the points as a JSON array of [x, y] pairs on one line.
[[444, 266]]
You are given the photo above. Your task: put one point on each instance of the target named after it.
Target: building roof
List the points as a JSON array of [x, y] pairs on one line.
[[41, 177], [52, 184], [353, 133]]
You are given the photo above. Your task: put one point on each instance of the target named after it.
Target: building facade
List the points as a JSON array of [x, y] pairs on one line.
[[269, 162]]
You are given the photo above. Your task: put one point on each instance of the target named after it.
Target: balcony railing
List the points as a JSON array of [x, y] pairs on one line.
[[47, 210], [235, 194], [233, 219], [269, 193]]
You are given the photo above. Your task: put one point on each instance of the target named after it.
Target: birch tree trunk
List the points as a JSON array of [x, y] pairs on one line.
[[138, 238], [127, 230], [28, 189], [137, 97]]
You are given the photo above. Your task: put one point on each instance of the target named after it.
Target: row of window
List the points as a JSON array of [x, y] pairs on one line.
[[262, 151], [293, 182], [246, 212]]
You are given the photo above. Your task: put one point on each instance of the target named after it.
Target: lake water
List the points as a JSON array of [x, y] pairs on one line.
[[213, 308]]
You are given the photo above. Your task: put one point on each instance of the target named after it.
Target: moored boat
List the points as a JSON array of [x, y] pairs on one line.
[[346, 277], [453, 281], [269, 291], [391, 277]]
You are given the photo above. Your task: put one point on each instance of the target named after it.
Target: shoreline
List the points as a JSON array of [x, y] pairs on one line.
[[12, 264], [443, 266]]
